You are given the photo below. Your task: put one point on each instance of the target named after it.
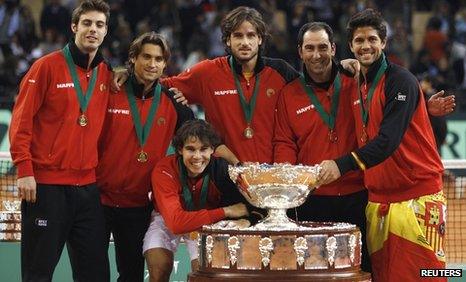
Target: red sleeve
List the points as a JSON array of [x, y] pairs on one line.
[[189, 82], [32, 91], [167, 199], [284, 140]]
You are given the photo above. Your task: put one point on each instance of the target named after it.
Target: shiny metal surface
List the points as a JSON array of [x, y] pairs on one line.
[[276, 188]]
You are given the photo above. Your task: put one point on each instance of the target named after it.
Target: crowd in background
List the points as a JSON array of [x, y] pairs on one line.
[[192, 28]]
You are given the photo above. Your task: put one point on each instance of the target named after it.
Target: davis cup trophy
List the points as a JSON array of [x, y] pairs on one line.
[[278, 249]]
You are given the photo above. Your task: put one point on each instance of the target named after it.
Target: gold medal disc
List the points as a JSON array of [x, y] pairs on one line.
[[142, 157], [332, 136], [248, 132], [364, 136], [82, 120]]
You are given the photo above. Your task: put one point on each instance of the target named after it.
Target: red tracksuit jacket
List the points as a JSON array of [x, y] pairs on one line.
[[168, 195], [301, 134], [46, 140], [401, 155], [210, 83], [122, 180]]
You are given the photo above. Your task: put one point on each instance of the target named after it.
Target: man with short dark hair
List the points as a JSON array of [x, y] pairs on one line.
[[314, 122], [402, 169], [239, 92], [54, 130], [140, 122]]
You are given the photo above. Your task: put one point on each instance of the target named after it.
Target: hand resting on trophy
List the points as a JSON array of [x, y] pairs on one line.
[[236, 211]]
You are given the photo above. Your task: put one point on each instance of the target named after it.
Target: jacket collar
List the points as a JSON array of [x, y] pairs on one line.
[[323, 85], [239, 70], [81, 59], [372, 70], [138, 88]]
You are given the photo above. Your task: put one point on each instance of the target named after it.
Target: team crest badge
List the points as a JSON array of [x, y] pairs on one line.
[[270, 92], [161, 121]]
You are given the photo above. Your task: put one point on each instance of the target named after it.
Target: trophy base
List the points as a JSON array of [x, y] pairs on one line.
[[201, 276], [323, 251]]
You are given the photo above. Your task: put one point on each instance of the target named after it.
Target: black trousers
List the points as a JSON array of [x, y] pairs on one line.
[[128, 226], [63, 214], [348, 208]]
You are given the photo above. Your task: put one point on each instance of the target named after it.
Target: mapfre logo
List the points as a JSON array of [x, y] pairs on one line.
[[118, 111], [225, 92], [65, 85], [305, 109]]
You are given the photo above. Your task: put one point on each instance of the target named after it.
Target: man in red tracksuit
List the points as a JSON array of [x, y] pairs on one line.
[[239, 92], [140, 122], [402, 169], [54, 130], [192, 189], [314, 122]]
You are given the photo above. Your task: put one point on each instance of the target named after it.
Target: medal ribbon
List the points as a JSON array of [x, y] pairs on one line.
[[378, 76], [248, 108], [329, 119], [142, 131], [83, 99], [187, 196]]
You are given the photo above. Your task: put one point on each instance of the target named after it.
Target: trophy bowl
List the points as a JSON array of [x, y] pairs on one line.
[[276, 187]]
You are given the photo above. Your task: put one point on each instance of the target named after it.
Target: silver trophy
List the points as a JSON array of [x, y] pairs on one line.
[[276, 188]]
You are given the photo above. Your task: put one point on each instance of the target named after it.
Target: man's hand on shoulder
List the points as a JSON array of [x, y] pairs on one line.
[[119, 78], [179, 97]]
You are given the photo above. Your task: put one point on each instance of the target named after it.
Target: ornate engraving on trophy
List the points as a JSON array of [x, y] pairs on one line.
[[265, 248], [233, 247], [300, 247], [209, 246], [352, 246], [331, 246]]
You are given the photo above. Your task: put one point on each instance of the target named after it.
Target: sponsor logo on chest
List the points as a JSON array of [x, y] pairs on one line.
[[304, 109], [118, 111], [65, 85], [225, 92]]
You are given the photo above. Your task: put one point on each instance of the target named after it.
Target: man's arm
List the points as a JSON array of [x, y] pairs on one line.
[[402, 94], [190, 82], [224, 152], [30, 98], [167, 197]]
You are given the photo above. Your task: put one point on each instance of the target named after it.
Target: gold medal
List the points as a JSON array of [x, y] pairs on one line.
[[82, 120], [142, 157], [248, 132], [364, 136], [332, 136]]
